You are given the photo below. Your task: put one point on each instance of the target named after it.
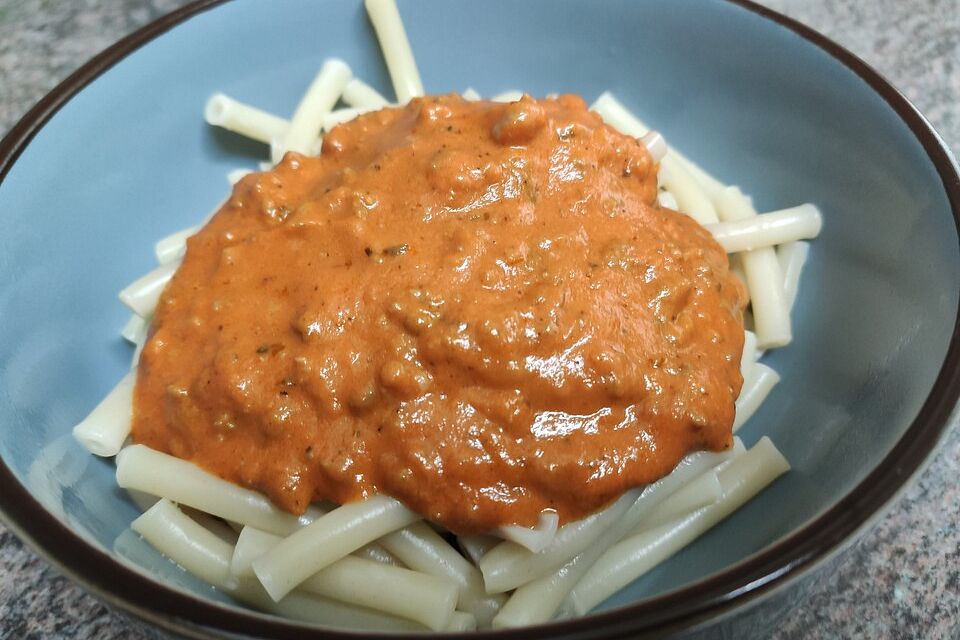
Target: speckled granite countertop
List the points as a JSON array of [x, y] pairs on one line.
[[902, 580]]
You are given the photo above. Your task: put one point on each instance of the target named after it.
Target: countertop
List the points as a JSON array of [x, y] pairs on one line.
[[901, 580]]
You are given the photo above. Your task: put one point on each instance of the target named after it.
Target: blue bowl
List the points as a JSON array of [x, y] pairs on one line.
[[118, 156]]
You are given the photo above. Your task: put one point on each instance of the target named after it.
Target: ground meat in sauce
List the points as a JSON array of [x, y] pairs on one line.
[[476, 308]]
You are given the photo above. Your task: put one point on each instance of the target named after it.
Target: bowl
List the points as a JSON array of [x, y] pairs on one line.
[[118, 156]]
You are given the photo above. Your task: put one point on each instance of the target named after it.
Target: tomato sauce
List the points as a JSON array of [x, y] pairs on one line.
[[476, 308]]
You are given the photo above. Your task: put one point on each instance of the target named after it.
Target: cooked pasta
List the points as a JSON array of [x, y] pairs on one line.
[[379, 565]]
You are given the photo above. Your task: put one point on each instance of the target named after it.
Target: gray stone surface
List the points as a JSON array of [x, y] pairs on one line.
[[902, 580]]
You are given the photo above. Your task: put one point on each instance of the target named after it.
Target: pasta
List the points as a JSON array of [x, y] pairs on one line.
[[104, 431], [541, 598], [159, 474], [171, 248], [376, 564], [743, 478], [421, 597], [423, 549], [359, 95], [232, 115], [396, 49], [508, 565], [792, 257], [141, 296], [326, 539], [769, 229], [316, 104], [771, 316]]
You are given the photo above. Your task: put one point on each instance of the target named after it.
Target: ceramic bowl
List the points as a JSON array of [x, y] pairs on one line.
[[118, 156]]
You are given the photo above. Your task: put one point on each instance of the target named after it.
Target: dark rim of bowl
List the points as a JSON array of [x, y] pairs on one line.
[[682, 608]]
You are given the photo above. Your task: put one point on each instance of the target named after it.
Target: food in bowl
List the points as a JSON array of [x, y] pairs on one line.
[[490, 316]]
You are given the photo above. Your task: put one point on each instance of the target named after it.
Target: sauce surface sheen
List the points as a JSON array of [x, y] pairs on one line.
[[476, 308]]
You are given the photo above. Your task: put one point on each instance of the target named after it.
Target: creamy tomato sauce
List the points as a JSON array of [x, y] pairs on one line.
[[476, 308]]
